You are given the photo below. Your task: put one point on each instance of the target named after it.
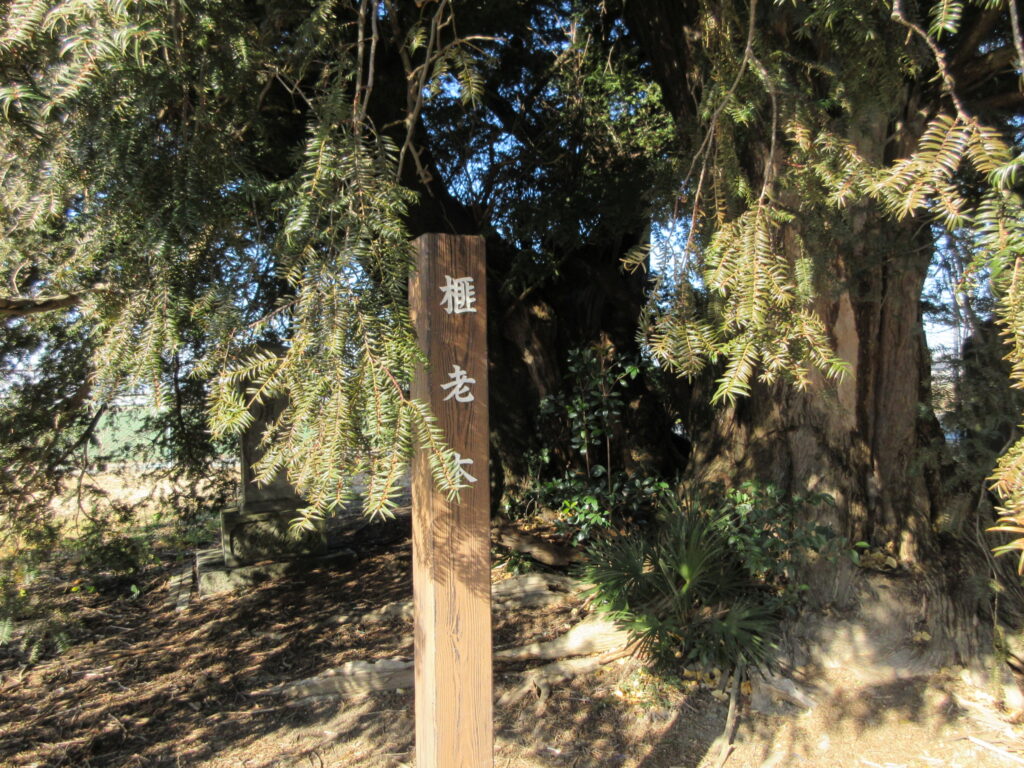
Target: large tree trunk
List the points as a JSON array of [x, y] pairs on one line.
[[873, 444], [871, 441], [592, 303], [867, 441]]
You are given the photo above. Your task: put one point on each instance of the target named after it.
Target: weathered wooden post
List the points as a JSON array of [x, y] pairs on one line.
[[451, 540]]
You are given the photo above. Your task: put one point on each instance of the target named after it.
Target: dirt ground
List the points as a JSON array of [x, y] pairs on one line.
[[145, 685]]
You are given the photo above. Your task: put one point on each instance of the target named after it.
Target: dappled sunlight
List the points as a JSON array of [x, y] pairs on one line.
[[170, 685]]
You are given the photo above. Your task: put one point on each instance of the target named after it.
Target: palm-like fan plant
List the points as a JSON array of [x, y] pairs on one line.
[[684, 594]]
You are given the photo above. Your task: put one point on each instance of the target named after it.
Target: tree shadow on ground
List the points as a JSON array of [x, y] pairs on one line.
[[158, 687], [595, 723], [152, 686], [855, 721]]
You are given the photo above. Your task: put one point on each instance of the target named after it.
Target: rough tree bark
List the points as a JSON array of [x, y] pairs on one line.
[[865, 441], [872, 441], [862, 440]]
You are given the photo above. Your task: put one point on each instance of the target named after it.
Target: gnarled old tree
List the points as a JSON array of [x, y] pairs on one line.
[[185, 180], [833, 141], [835, 145]]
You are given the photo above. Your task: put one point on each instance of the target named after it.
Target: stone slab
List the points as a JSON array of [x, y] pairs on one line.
[[214, 576], [264, 415], [179, 589], [264, 531]]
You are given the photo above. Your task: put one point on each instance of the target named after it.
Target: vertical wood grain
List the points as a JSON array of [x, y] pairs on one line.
[[451, 540]]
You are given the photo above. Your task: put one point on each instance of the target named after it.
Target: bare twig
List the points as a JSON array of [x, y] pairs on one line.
[[418, 80], [769, 170], [730, 719], [704, 150], [899, 14], [996, 750], [366, 63], [1018, 41]]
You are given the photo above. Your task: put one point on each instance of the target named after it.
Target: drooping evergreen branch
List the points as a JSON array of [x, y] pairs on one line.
[[229, 183]]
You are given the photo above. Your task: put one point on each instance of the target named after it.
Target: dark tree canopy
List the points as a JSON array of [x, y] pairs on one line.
[[749, 195]]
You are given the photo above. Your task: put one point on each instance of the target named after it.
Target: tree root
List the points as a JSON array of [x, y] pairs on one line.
[[591, 636], [539, 549], [353, 678], [539, 681], [768, 687], [528, 590], [594, 634]]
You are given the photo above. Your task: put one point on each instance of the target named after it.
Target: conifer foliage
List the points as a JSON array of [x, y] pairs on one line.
[[233, 186], [144, 181], [808, 120]]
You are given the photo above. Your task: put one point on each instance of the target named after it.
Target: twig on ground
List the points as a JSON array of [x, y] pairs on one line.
[[730, 719], [117, 720], [996, 750]]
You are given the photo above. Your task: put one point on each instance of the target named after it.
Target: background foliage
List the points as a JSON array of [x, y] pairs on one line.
[[212, 203]]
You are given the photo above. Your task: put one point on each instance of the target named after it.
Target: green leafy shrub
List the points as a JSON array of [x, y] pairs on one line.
[[584, 485], [585, 506], [512, 562], [111, 550], [684, 595], [115, 553], [710, 584], [770, 532]]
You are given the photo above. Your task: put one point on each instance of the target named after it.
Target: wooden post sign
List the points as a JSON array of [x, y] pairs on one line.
[[451, 539]]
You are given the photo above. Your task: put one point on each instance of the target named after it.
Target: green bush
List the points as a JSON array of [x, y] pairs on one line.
[[585, 486], [585, 506], [110, 550], [772, 534], [710, 584]]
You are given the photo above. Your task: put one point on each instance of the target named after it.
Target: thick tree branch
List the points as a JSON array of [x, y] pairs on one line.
[[19, 306], [85, 437], [972, 73], [984, 23], [657, 25], [1000, 101], [1018, 38]]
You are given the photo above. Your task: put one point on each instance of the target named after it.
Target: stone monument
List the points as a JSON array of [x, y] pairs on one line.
[[260, 526]]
